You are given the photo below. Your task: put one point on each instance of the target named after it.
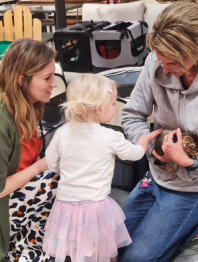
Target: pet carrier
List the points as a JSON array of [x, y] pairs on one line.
[[119, 44], [72, 44]]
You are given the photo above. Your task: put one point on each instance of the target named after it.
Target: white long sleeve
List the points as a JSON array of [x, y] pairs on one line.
[[84, 154], [125, 150]]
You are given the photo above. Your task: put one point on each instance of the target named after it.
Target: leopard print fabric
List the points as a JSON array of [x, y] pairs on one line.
[[29, 209]]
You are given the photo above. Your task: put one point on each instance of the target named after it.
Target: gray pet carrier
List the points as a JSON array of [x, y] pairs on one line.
[[119, 44]]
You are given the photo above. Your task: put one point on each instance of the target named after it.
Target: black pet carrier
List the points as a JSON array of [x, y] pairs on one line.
[[119, 44], [73, 46]]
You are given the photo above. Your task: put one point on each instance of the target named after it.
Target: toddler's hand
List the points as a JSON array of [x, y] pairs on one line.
[[144, 140]]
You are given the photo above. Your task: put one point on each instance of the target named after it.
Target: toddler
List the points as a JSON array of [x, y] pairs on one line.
[[85, 223]]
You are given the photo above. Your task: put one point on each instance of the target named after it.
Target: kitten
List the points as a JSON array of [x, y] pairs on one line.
[[190, 144]]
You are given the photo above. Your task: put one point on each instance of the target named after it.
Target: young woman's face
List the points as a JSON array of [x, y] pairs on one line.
[[42, 83], [109, 112]]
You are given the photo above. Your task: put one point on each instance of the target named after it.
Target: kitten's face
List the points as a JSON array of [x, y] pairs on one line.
[[189, 145]]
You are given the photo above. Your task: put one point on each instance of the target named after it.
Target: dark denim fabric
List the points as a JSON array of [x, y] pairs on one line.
[[159, 221]]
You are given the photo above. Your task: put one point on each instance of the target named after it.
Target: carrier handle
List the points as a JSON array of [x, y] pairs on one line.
[[119, 24], [96, 27], [83, 26], [123, 34]]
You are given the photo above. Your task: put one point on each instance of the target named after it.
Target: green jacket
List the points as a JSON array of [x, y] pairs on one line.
[[10, 152]]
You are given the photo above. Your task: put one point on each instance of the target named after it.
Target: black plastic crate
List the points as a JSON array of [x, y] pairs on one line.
[[73, 45]]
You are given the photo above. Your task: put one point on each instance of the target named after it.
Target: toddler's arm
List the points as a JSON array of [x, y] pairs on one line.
[[125, 150]]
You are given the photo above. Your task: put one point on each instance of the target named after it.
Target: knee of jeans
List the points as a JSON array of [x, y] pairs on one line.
[[133, 255]]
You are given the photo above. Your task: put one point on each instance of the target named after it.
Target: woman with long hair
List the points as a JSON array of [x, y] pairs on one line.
[[26, 81]]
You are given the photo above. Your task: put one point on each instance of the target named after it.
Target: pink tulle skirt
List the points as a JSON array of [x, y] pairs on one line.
[[86, 231]]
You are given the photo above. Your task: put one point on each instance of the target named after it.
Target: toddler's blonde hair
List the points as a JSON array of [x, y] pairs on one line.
[[85, 94]]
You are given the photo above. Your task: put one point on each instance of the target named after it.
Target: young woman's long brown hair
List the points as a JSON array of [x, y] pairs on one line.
[[24, 57]]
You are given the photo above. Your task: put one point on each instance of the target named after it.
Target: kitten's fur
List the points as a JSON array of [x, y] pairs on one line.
[[190, 144]]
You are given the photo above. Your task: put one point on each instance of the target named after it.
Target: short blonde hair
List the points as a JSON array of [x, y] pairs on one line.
[[85, 94], [175, 33]]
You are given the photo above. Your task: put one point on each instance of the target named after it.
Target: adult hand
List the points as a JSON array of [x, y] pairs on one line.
[[163, 158], [174, 151]]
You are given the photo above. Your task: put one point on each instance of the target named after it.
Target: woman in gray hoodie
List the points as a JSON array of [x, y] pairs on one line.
[[162, 211]]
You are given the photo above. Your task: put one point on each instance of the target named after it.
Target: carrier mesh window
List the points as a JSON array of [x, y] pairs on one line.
[[138, 45], [70, 51], [74, 55], [108, 49]]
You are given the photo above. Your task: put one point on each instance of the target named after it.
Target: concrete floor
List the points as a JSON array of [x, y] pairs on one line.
[[188, 253]]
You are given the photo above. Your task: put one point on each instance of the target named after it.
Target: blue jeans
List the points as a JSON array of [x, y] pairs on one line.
[[159, 221]]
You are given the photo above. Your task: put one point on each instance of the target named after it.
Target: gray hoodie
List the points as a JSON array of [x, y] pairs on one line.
[[173, 107]]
